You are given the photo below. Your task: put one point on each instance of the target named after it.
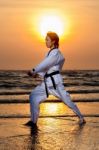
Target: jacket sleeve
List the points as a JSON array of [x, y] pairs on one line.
[[47, 63]]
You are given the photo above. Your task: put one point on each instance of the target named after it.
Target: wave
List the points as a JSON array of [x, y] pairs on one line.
[[28, 92], [15, 85], [45, 116], [95, 83], [6, 101], [20, 84], [82, 73]]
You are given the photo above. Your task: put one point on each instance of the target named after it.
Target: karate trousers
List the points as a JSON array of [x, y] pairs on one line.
[[38, 95]]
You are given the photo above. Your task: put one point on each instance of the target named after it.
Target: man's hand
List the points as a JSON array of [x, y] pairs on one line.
[[31, 74], [35, 75]]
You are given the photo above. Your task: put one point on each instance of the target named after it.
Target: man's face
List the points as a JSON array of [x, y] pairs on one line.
[[48, 41]]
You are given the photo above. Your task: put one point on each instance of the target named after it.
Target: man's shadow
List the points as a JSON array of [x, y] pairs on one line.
[[33, 140]]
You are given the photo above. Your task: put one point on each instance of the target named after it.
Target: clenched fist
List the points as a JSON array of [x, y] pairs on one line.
[[35, 75], [30, 73]]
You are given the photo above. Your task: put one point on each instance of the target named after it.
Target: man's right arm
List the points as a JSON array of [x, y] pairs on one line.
[[47, 63]]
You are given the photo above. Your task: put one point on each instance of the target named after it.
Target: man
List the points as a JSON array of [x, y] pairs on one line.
[[50, 69]]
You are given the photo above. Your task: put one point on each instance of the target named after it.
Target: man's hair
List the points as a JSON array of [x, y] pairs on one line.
[[54, 37]]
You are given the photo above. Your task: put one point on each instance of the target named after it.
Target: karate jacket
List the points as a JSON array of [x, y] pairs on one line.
[[53, 61]]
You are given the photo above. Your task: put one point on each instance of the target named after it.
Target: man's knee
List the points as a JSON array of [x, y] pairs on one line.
[[38, 93], [33, 99], [34, 91], [67, 99], [33, 95]]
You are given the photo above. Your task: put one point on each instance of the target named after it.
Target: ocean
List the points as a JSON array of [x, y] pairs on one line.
[[16, 85]]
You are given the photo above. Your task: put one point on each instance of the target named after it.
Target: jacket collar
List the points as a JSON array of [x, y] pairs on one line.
[[51, 50]]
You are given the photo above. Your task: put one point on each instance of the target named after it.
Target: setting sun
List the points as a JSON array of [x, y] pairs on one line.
[[51, 23]]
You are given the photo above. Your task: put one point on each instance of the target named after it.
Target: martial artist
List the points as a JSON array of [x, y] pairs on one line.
[[49, 69]]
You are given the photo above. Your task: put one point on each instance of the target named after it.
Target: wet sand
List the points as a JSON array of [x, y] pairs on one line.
[[58, 127], [57, 133]]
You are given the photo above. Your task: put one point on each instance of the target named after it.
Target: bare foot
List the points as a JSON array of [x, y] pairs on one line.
[[81, 121]]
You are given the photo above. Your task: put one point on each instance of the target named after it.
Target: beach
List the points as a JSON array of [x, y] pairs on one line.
[[58, 133], [58, 127]]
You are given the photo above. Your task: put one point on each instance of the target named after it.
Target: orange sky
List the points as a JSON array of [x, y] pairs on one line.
[[21, 46]]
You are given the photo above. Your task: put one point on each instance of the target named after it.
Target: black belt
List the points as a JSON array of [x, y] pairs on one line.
[[50, 75]]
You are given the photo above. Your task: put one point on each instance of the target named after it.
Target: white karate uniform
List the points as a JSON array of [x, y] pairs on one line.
[[52, 62]]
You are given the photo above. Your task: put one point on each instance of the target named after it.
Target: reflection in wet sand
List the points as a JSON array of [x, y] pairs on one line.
[[52, 133]]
